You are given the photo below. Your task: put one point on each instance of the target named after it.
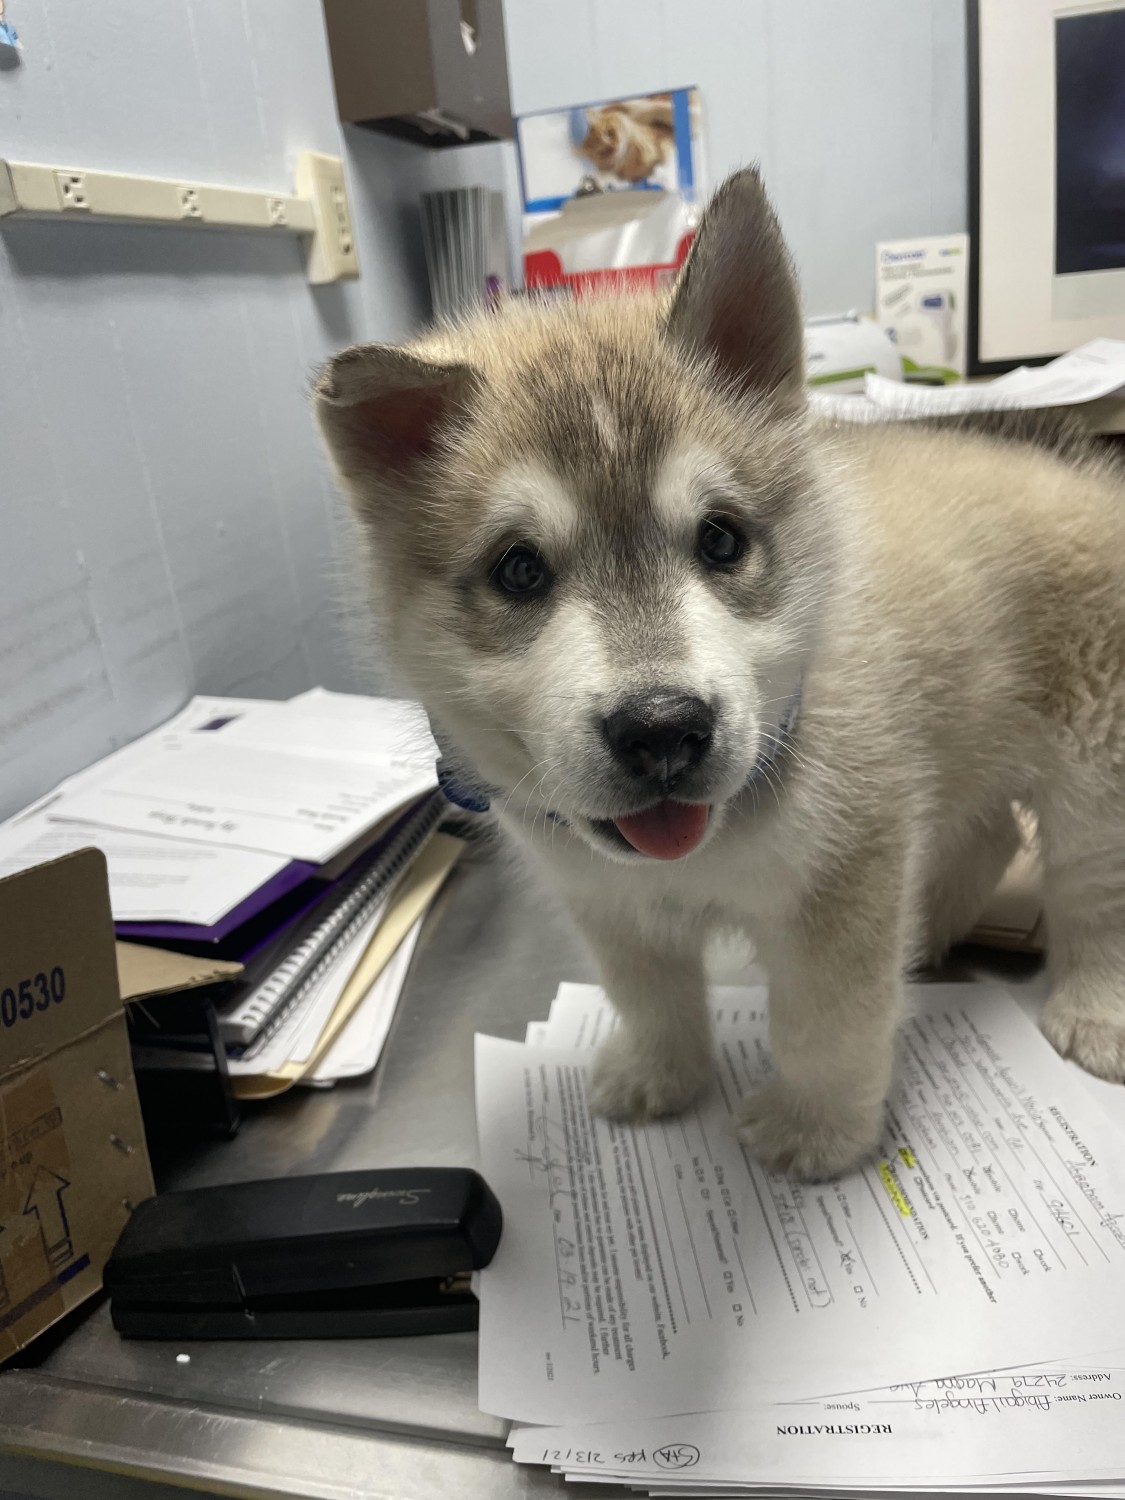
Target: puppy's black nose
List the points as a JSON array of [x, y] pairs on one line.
[[660, 735]]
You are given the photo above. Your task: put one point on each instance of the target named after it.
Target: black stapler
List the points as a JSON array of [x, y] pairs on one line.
[[344, 1255]]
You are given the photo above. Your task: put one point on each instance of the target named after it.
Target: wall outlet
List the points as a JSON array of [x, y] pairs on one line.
[[332, 255], [72, 190]]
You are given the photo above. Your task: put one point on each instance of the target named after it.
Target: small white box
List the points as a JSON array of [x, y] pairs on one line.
[[921, 291]]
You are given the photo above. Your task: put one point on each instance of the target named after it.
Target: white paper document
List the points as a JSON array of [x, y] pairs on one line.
[[197, 713], [193, 785], [340, 725], [151, 879], [200, 812], [294, 1041], [358, 1047], [660, 1270], [1096, 369], [1031, 1424]]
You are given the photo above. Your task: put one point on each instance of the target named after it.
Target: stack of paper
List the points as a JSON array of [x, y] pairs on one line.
[[290, 840], [1089, 373], [664, 1313], [201, 813]]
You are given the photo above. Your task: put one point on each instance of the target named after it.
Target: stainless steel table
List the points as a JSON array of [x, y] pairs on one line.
[[390, 1417], [381, 1418]]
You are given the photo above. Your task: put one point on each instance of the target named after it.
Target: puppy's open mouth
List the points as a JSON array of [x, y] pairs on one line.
[[668, 830]]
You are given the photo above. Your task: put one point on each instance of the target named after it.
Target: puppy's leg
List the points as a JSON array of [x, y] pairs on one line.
[[658, 1061], [1084, 867], [967, 870], [835, 1001]]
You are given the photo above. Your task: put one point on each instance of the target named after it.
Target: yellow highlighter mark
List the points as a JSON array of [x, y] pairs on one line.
[[907, 1156], [894, 1192]]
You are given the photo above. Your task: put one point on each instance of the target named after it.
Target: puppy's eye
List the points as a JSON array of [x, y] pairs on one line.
[[522, 571], [720, 543]]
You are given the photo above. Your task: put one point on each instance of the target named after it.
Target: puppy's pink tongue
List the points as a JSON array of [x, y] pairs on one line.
[[666, 831]]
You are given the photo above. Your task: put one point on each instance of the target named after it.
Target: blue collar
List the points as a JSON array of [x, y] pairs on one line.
[[474, 799], [478, 798]]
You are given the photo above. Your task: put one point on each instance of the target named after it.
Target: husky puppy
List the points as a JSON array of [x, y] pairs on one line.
[[722, 666]]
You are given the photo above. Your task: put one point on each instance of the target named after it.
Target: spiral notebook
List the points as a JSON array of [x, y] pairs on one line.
[[274, 985], [300, 1048]]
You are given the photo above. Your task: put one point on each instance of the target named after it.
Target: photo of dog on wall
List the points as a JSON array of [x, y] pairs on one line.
[[630, 138], [650, 141]]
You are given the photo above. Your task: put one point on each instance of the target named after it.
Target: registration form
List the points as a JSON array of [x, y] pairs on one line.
[[1028, 1425], [661, 1270]]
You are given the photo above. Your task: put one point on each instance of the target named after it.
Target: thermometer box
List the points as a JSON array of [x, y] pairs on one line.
[[921, 292]]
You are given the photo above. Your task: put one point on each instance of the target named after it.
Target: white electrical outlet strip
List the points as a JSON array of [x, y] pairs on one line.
[[319, 208]]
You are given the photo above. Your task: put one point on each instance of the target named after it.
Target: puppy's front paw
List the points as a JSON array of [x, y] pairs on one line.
[[807, 1138], [634, 1081], [1096, 1041]]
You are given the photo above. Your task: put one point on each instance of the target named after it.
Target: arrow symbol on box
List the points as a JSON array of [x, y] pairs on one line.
[[45, 1201]]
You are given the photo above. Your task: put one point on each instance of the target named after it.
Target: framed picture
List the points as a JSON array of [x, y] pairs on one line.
[[1046, 178], [650, 141]]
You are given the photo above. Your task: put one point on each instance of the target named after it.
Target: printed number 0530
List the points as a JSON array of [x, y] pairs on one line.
[[19, 1002]]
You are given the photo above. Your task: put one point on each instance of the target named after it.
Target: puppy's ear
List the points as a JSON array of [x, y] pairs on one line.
[[384, 412], [737, 300]]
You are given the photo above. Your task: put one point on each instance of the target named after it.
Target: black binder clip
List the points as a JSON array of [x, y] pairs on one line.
[[344, 1255]]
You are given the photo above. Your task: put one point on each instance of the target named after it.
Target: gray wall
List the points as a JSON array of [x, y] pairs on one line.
[[166, 522], [854, 108]]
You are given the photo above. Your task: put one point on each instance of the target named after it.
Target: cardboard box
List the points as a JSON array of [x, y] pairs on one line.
[[73, 1160], [143, 972], [407, 58]]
